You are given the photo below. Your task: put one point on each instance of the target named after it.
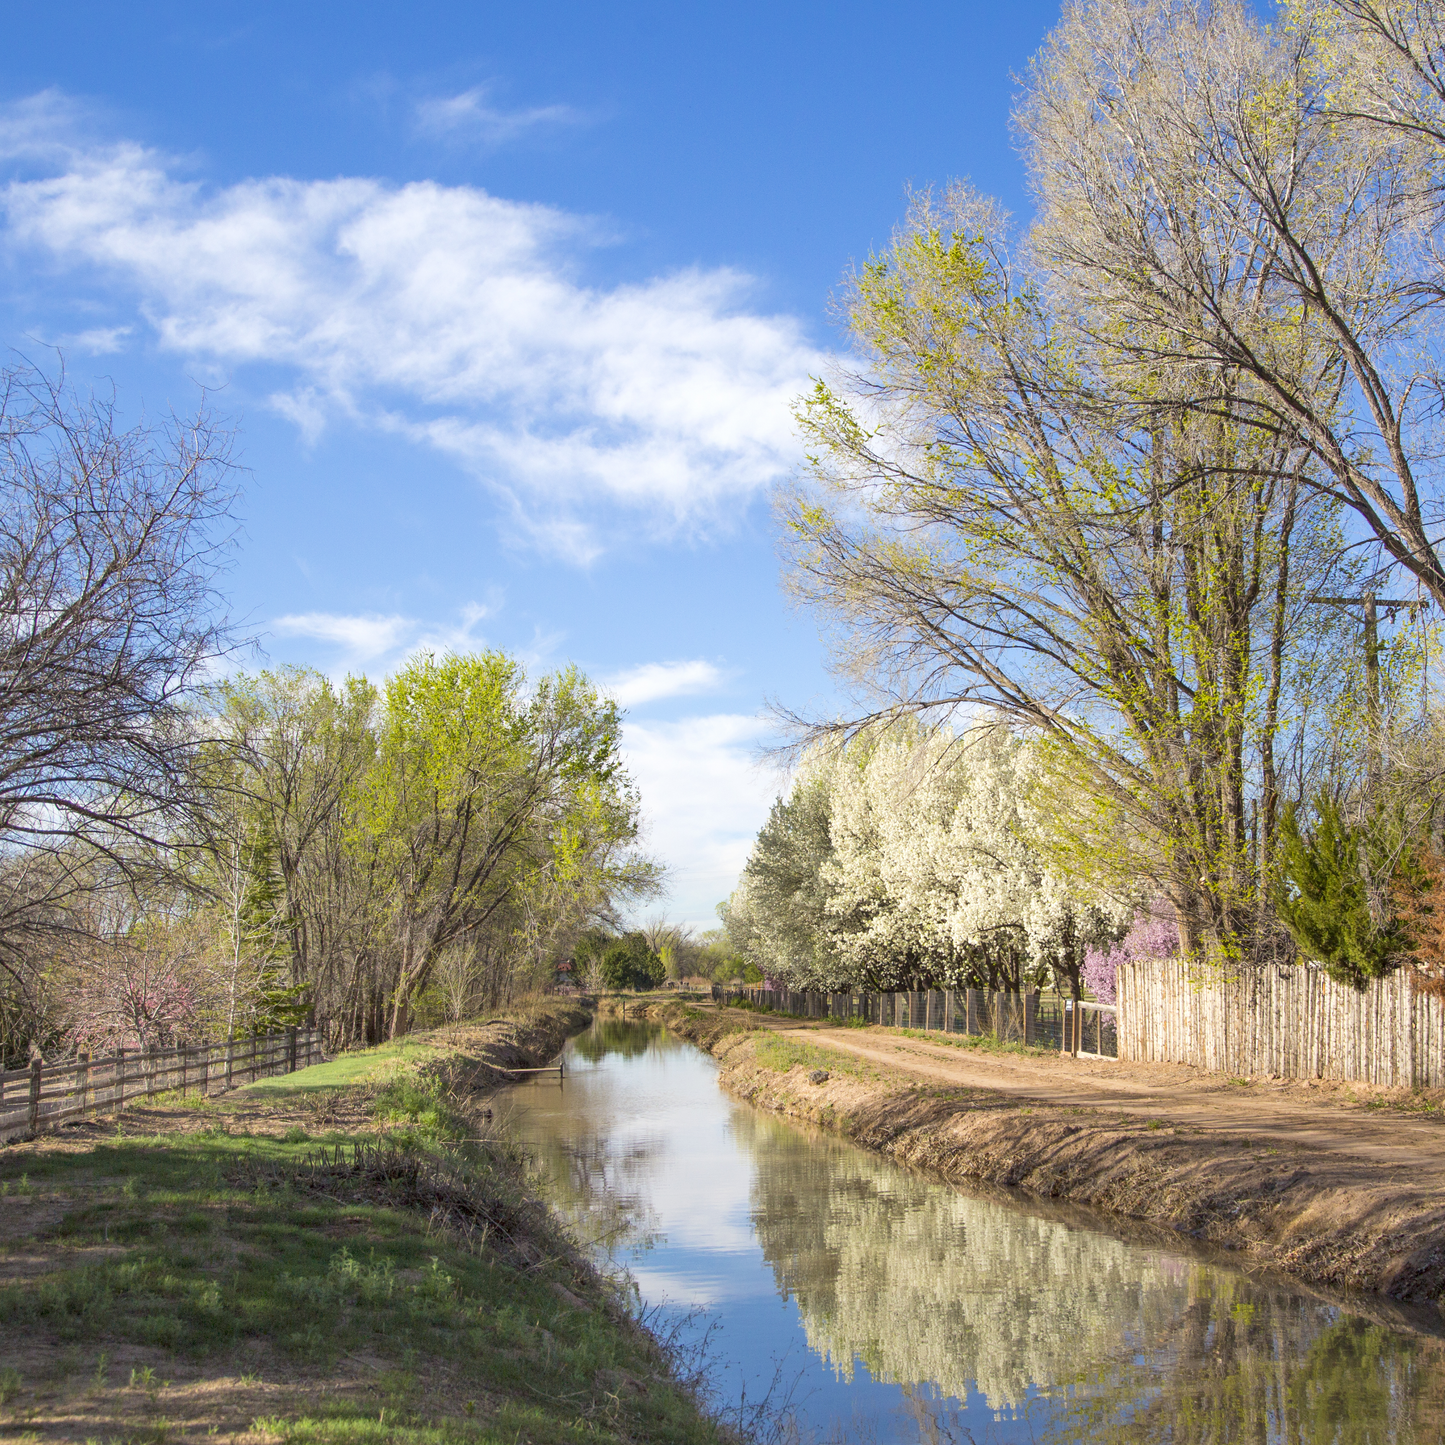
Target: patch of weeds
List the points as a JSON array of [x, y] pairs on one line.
[[1155, 1124], [10, 1383], [424, 1105], [295, 1135], [748, 1006], [785, 1054], [21, 1187], [856, 1022]]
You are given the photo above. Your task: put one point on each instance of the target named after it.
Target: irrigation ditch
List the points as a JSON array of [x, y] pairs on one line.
[[1311, 1204]]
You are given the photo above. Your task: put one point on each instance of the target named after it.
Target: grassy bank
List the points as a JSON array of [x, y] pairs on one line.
[[1328, 1218], [345, 1254]]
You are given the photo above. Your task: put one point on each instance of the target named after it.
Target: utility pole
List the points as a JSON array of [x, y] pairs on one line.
[[1371, 606]]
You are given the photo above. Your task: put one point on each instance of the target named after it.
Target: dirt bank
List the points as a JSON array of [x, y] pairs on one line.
[[1340, 1188], [344, 1254]]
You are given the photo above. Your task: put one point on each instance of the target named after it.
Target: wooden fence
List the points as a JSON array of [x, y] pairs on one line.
[[1294, 1022], [1033, 1019], [47, 1094]]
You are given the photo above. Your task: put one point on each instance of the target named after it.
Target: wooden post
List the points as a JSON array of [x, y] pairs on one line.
[[948, 1011], [185, 1055], [82, 1077], [35, 1067], [254, 1064], [1031, 1009], [291, 1050], [230, 1057], [205, 1070], [118, 1085]]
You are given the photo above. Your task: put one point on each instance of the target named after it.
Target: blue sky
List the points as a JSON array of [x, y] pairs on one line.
[[508, 304]]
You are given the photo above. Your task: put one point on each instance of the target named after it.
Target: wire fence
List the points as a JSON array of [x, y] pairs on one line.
[[46, 1094], [1035, 1020]]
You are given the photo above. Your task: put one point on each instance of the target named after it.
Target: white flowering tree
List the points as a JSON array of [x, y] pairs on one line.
[[917, 858]]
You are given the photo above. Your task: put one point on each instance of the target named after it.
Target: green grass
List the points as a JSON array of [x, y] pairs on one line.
[[784, 1054], [228, 1243], [211, 1261], [361, 1066]]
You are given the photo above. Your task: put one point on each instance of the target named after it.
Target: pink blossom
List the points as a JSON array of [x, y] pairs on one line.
[[1151, 935]]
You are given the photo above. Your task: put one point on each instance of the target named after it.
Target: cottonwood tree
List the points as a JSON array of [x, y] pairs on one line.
[[484, 791], [990, 518], [1245, 216]]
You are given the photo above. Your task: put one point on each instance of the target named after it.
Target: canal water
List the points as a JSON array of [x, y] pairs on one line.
[[856, 1301]]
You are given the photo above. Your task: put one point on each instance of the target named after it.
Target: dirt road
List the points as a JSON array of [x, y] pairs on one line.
[[1384, 1127]]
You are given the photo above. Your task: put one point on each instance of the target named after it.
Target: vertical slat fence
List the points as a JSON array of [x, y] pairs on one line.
[[1290, 1022]]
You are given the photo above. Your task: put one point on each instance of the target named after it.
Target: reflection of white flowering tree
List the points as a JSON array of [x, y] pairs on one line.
[[914, 857], [928, 1286]]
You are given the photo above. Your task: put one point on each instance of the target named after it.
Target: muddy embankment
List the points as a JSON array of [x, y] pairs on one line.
[[1323, 1216]]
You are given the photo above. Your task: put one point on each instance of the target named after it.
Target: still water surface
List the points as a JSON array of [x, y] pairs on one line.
[[882, 1306]]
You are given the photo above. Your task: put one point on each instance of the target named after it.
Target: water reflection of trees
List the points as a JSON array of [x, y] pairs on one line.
[[926, 1285], [613, 1036], [597, 1184]]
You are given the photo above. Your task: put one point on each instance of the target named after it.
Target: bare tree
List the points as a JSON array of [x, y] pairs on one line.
[[1247, 215], [111, 540]]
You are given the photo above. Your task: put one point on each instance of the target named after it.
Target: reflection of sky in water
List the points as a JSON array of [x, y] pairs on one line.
[[892, 1308]]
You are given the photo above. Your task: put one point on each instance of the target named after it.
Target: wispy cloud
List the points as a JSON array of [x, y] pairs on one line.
[[361, 639], [471, 116], [653, 681], [441, 313], [707, 795]]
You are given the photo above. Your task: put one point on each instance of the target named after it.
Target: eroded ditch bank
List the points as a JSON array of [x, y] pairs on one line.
[[347, 1253], [1321, 1216]]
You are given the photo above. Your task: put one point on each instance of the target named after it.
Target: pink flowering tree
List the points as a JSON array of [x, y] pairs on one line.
[[1153, 934], [134, 997]]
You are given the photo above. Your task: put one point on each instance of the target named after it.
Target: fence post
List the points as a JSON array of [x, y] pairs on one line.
[[253, 1062], [230, 1057], [35, 1066], [185, 1053], [119, 1087], [205, 1070], [291, 1049], [1031, 1013], [82, 1077]]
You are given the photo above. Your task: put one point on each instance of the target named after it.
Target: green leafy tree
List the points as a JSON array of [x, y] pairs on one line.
[[1331, 898], [631, 963]]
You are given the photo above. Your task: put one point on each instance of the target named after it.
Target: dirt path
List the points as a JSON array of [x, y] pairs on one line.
[[1329, 1118]]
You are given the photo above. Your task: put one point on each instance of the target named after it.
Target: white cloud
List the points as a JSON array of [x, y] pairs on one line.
[[442, 313], [706, 796], [98, 341], [655, 680], [470, 116], [361, 639]]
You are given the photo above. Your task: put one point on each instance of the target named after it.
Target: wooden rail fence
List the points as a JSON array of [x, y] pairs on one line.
[[1292, 1022], [43, 1095]]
